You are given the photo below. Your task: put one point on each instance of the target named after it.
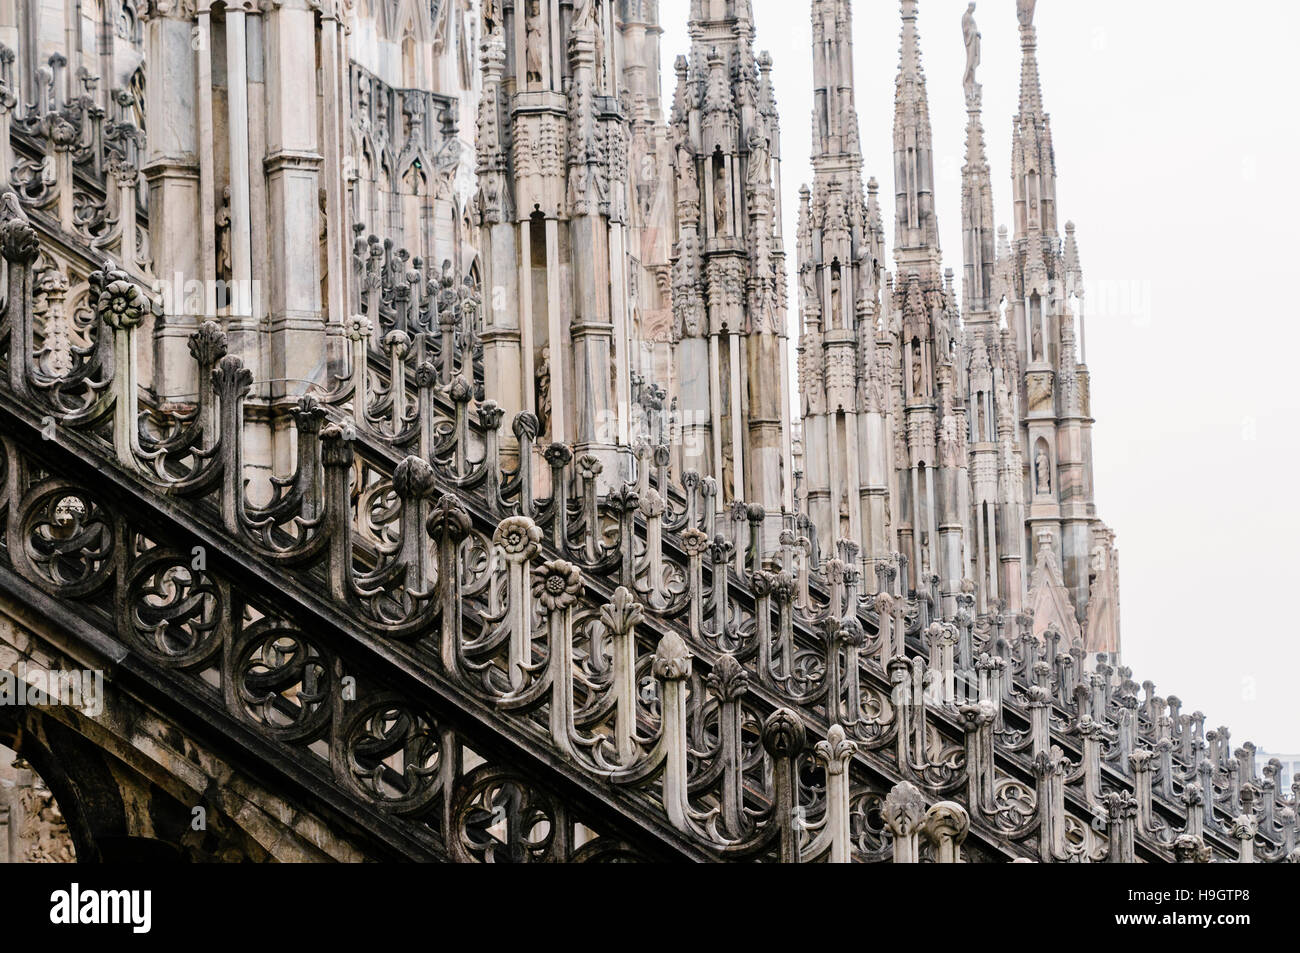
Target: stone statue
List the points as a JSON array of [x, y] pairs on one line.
[[760, 174], [688, 188], [971, 34], [942, 335], [949, 455], [836, 317], [845, 519], [224, 269], [876, 386], [587, 15], [1025, 11], [544, 391], [720, 202], [916, 370], [43, 830], [1043, 472], [600, 46], [808, 285], [322, 255], [535, 55], [465, 42]]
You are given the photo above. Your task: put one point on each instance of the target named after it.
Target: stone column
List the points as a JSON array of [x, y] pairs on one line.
[[694, 368], [817, 473], [505, 257], [618, 264], [595, 430], [765, 374], [560, 422], [241, 242], [739, 491], [527, 344], [335, 105], [293, 164], [10, 84], [715, 413], [207, 165], [9, 25], [171, 168]]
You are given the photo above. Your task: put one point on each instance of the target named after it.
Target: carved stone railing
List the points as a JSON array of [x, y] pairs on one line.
[[629, 645], [1094, 717], [74, 163]]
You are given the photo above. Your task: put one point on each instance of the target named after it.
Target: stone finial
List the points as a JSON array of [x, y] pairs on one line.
[[518, 538], [903, 810], [784, 735], [556, 585], [835, 753], [672, 660]]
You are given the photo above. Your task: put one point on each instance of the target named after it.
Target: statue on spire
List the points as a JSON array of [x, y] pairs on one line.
[[971, 34], [1025, 11], [586, 16]]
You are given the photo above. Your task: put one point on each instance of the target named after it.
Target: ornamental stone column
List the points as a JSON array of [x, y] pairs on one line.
[[171, 169], [292, 165]]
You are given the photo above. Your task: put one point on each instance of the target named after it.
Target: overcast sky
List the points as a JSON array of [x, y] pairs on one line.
[[1176, 138]]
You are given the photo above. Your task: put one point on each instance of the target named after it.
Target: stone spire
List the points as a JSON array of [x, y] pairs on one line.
[[1032, 158], [917, 232], [732, 386], [978, 230], [1042, 284], [995, 465], [843, 378], [569, 234], [929, 409], [835, 116]]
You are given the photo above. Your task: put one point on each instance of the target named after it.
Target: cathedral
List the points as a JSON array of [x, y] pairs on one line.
[[410, 449]]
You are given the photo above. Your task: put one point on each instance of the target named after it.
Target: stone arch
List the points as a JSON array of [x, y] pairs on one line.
[[77, 776], [128, 781], [113, 813]]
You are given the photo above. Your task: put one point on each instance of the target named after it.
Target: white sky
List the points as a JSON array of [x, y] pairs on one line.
[[1176, 139]]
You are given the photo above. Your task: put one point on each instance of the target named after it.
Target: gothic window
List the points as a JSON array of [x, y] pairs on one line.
[[136, 86], [414, 210], [410, 62], [126, 22], [385, 208]]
